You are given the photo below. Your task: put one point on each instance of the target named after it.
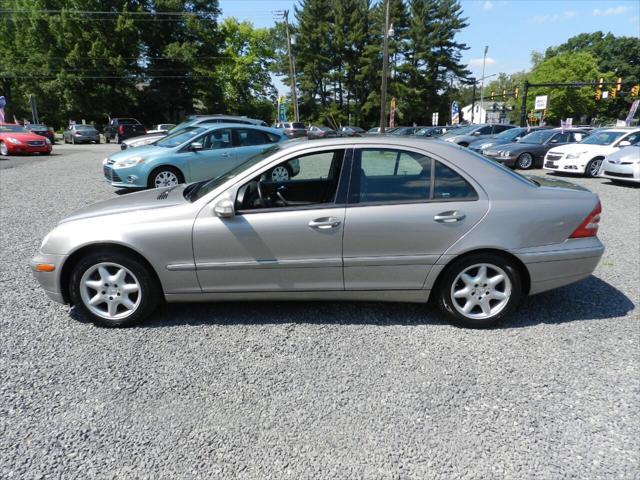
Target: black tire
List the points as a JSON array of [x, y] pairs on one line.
[[525, 161], [150, 290], [107, 139], [591, 166], [464, 144], [443, 291], [166, 168]]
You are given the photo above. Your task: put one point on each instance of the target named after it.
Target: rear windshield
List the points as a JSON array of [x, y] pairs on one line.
[[128, 121], [297, 125], [84, 127]]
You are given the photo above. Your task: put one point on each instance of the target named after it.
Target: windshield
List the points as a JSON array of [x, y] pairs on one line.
[[537, 137], [461, 131], [510, 134], [180, 126], [210, 185], [602, 138], [181, 137], [12, 128]]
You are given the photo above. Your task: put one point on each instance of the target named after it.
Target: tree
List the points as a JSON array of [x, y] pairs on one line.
[[565, 102]]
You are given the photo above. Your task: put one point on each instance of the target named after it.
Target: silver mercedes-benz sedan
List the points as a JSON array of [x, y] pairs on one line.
[[377, 218]]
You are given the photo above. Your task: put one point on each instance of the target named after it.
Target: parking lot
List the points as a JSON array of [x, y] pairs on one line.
[[312, 390]]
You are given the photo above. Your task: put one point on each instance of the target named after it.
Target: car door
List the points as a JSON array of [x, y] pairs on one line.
[[216, 157], [288, 237], [405, 209]]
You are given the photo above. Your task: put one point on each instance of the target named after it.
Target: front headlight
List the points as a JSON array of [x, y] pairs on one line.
[[15, 141], [505, 153], [573, 156], [47, 141], [450, 139], [129, 162]]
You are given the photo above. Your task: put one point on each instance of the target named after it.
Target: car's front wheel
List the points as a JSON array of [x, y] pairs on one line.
[[593, 167], [525, 161], [165, 177], [113, 289], [479, 291], [4, 150]]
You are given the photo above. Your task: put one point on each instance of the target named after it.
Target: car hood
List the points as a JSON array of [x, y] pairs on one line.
[[143, 150], [145, 200], [148, 136], [23, 137], [581, 147]]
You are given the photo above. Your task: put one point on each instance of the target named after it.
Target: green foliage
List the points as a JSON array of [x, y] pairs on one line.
[[565, 102]]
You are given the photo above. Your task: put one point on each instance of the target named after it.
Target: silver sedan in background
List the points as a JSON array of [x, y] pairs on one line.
[[378, 218], [622, 166]]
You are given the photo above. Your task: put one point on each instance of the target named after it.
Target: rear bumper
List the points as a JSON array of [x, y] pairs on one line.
[[553, 266]]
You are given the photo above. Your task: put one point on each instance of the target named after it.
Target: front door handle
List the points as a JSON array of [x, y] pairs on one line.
[[325, 223], [224, 155], [449, 217]]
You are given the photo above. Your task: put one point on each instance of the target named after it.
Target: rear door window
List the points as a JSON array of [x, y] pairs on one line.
[[247, 137], [450, 185]]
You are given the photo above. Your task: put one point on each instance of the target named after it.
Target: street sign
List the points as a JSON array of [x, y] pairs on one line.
[[541, 102], [632, 112], [605, 94]]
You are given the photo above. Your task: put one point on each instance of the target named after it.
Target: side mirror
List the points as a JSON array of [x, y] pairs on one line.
[[517, 139], [195, 146], [554, 140], [624, 143], [476, 133], [224, 208]]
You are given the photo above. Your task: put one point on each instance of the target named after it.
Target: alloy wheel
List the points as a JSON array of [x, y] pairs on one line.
[[166, 179], [594, 167], [3, 149], [279, 174], [525, 161], [481, 291], [110, 291]]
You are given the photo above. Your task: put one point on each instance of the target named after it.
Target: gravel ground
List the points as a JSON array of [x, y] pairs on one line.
[[312, 390]]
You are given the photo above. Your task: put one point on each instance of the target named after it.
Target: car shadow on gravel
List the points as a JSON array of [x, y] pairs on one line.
[[590, 299]]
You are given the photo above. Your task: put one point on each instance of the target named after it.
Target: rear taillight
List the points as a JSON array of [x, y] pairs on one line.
[[121, 129], [589, 227]]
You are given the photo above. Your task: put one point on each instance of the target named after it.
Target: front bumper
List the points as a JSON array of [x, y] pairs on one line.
[[624, 173], [553, 266], [124, 177], [565, 165], [22, 148], [50, 281]]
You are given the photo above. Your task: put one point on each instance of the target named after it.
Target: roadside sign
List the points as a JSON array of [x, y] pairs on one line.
[[605, 94], [541, 102], [632, 112], [455, 113]]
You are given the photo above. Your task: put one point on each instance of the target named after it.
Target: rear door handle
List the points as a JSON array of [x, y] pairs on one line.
[[449, 217], [325, 223]]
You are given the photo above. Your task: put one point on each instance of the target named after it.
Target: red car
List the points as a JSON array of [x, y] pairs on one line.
[[17, 139]]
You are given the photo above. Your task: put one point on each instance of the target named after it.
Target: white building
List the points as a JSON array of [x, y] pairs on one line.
[[488, 112]]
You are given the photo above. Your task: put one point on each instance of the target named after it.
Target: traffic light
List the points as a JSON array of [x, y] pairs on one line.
[[599, 90], [516, 92], [613, 93], [504, 94], [635, 90], [493, 95]]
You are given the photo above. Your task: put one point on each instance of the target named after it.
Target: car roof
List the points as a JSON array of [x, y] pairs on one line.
[[240, 125]]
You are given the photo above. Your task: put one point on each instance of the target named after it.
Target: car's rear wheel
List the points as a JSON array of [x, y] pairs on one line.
[[281, 173], [479, 291], [525, 161], [113, 289], [4, 150], [165, 177], [593, 167], [464, 144]]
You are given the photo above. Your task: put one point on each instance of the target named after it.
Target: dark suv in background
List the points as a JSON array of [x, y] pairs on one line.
[[120, 129], [293, 129]]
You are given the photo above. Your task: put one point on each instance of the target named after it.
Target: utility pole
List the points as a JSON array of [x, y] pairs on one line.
[[523, 107], [484, 61], [292, 69], [385, 66], [473, 99]]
